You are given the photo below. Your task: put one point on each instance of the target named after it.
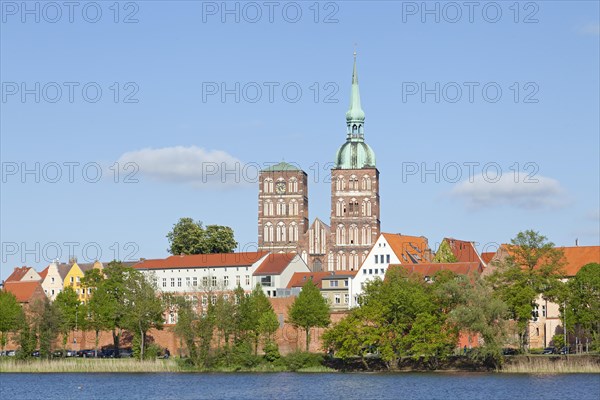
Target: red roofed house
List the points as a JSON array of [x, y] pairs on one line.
[[276, 271], [23, 274], [548, 323], [26, 292], [388, 249]]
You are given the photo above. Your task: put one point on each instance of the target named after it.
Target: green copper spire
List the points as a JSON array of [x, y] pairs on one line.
[[355, 117], [355, 153]]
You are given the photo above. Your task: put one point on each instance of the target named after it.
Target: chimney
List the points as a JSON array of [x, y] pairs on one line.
[[576, 242]]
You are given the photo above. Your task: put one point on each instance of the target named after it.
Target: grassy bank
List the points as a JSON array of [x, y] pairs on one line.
[[88, 365], [514, 364], [552, 364]]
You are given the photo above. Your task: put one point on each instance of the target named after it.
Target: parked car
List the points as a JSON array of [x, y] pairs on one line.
[[550, 350], [107, 353], [11, 353], [567, 350], [69, 353], [35, 353], [509, 351], [88, 353]]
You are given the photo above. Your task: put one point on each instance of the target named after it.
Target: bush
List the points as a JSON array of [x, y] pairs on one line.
[[238, 357], [300, 359], [271, 351]]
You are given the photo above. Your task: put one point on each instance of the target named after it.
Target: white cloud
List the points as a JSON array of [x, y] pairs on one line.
[[540, 193], [590, 29], [190, 165]]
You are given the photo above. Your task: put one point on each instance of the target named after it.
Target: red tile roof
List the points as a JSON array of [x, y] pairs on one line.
[[574, 258], [44, 273], [17, 274], [25, 291], [300, 278], [430, 269], [578, 256], [203, 260], [408, 249], [463, 250], [487, 256], [275, 263]]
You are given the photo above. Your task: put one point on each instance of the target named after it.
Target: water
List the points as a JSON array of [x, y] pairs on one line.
[[321, 386]]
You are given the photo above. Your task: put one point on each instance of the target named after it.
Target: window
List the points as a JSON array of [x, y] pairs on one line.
[[226, 281], [387, 258], [543, 310], [204, 301], [268, 232], [213, 281], [205, 281], [346, 298], [195, 281], [333, 283], [172, 282], [247, 280], [370, 271], [237, 281], [71, 280], [268, 185], [188, 281], [178, 282], [376, 259], [213, 299], [89, 290], [164, 282], [346, 282], [337, 299], [52, 280], [266, 281], [78, 280], [52, 292], [280, 233]]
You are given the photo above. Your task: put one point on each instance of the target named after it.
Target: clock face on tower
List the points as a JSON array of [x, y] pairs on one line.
[[280, 187]]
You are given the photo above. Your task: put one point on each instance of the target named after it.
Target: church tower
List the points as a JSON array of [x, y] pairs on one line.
[[355, 204], [282, 208]]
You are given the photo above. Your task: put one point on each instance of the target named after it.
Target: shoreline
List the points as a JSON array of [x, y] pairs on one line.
[[525, 364]]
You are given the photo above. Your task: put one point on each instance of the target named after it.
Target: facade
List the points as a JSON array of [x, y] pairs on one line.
[[23, 274], [388, 249], [335, 288], [355, 205], [52, 279]]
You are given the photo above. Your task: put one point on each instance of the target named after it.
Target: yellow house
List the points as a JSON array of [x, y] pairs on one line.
[[76, 274]]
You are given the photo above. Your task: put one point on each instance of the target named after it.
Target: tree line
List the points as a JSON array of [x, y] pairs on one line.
[[405, 316]]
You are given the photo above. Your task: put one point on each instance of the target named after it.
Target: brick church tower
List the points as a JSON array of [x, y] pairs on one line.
[[355, 204], [282, 208], [283, 204]]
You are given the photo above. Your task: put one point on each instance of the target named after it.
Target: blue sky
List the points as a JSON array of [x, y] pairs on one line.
[[170, 122]]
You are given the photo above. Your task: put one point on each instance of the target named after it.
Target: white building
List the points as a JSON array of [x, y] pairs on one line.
[[222, 272], [388, 249]]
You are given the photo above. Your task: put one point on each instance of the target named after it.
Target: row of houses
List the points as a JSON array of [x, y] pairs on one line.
[[202, 277]]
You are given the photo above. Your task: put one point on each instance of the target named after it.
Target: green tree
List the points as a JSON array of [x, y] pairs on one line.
[[189, 237], [265, 321], [67, 304], [533, 268], [350, 337], [143, 308], [219, 239], [583, 301], [11, 316], [309, 310], [444, 254], [486, 315], [48, 320], [110, 299]]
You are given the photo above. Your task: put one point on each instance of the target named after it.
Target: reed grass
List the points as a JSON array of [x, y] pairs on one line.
[[88, 365], [552, 365]]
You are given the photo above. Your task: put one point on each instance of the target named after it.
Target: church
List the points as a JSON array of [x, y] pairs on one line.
[[283, 219]]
